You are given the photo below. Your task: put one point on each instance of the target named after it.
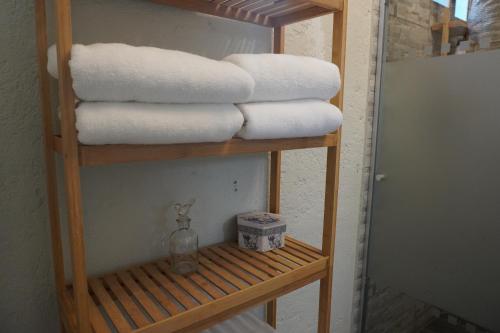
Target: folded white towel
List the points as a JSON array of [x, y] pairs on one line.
[[120, 73], [289, 119], [101, 123], [280, 77]]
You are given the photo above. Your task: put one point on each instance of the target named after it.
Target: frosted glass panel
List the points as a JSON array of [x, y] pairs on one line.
[[435, 230], [435, 216]]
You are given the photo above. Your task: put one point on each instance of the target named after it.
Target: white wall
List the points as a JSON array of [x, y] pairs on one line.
[[125, 205], [304, 173]]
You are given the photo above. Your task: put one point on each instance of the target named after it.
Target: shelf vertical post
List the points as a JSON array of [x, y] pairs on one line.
[[71, 165], [332, 178], [50, 165], [275, 175]]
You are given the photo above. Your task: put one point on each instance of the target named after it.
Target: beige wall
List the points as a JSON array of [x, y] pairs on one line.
[[125, 205]]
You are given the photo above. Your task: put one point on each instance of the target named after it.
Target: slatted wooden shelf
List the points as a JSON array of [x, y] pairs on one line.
[[150, 298], [269, 13], [109, 154]]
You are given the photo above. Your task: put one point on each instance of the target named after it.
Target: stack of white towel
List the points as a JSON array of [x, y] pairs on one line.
[[289, 99], [145, 95]]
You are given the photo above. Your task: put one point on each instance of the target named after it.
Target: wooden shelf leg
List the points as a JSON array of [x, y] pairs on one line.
[[275, 176], [50, 166], [274, 207], [329, 228], [71, 165], [332, 178]]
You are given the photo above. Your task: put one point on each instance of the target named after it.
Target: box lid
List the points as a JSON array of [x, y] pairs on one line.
[[260, 220]]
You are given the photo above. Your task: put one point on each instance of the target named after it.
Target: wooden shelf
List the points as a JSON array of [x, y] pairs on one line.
[[110, 154], [149, 298], [269, 13], [451, 25]]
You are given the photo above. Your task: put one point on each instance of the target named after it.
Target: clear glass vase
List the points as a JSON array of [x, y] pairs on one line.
[[183, 243]]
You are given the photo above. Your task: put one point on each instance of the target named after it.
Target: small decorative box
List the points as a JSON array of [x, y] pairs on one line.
[[261, 231]]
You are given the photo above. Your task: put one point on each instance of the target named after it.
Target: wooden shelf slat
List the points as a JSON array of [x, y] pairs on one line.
[[204, 284], [223, 273], [234, 269], [109, 306], [111, 154], [282, 260], [184, 284], [141, 296], [137, 299], [282, 268], [180, 296], [132, 309], [152, 288], [262, 266], [240, 263], [258, 11], [222, 284]]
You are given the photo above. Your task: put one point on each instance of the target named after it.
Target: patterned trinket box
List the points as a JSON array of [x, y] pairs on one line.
[[261, 231]]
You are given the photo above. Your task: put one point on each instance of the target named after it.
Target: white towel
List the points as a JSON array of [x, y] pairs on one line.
[[101, 123], [120, 73], [289, 119], [280, 77]]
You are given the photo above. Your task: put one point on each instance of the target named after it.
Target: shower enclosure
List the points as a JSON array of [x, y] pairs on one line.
[[433, 254]]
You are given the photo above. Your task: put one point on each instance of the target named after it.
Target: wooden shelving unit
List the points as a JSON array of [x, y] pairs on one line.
[[269, 13], [110, 154], [149, 298]]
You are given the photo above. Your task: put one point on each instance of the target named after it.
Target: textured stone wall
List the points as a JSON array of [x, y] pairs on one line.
[[26, 285], [484, 21], [408, 29], [409, 26], [314, 38], [362, 228]]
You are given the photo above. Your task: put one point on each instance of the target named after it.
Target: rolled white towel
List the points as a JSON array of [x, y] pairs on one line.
[[121, 73], [101, 123], [280, 77], [289, 119]]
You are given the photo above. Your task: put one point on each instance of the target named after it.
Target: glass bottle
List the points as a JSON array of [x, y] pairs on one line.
[[183, 242]]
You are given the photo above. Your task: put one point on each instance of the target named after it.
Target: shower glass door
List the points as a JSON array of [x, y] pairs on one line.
[[433, 262]]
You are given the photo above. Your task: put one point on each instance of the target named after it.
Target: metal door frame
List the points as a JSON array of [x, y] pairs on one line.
[[381, 52]]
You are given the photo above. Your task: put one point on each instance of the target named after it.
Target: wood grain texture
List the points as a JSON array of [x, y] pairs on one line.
[[152, 288], [109, 305], [126, 301], [71, 164], [142, 298], [275, 177], [139, 298], [268, 13], [234, 269], [262, 258], [298, 16], [184, 299], [251, 260], [112, 154], [332, 178], [189, 288]]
